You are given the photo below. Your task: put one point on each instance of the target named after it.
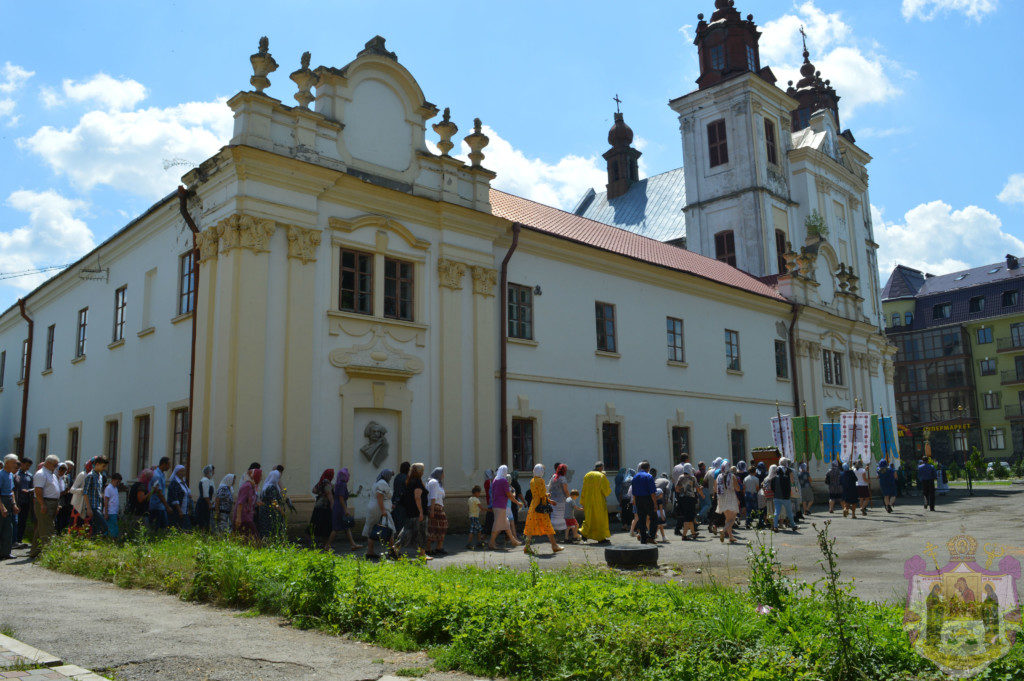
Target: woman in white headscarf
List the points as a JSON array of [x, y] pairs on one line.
[[437, 523], [378, 512], [489, 514], [768, 488], [501, 493], [204, 505], [179, 498], [538, 522], [223, 503]]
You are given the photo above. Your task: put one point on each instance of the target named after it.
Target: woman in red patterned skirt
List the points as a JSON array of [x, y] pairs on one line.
[[437, 525]]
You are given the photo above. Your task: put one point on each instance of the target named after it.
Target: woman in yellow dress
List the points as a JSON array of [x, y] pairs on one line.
[[539, 524]]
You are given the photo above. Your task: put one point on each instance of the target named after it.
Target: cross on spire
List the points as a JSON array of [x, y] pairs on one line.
[[804, 36], [617, 102]]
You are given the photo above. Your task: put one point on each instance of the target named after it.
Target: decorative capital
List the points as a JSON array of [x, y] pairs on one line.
[[302, 243], [890, 370], [450, 273], [245, 231], [484, 280], [814, 349], [207, 242]]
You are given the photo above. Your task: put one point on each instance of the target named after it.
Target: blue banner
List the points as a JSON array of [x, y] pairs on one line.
[[831, 441], [889, 442]]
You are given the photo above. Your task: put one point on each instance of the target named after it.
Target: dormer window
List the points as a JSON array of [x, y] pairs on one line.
[[1009, 298], [718, 57], [977, 304], [751, 58], [942, 310]]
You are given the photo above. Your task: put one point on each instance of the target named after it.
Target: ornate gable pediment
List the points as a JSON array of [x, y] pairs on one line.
[[376, 358]]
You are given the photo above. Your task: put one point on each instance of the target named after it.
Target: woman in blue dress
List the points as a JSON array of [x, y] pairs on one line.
[[887, 481]]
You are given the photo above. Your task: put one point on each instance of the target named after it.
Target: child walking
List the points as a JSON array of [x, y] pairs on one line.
[[572, 526], [475, 527], [112, 504]]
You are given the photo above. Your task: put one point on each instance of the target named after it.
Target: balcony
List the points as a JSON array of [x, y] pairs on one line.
[[1013, 411], [1011, 377], [1010, 344]]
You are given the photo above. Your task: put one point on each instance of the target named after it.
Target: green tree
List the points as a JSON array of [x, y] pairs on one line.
[[977, 463]]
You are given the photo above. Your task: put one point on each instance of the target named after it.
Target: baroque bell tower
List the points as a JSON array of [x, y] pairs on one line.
[[623, 169]]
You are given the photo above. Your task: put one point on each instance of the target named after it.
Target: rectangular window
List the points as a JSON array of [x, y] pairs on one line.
[[675, 339], [83, 318], [73, 435], [751, 58], [718, 57], [520, 313], [991, 400], [113, 428], [182, 443], [398, 289], [908, 318], [24, 360], [186, 283], [959, 441], [837, 364], [769, 142], [988, 367], [826, 365], [977, 304], [522, 444], [984, 335], [718, 147], [780, 250], [996, 439], [1017, 334], [725, 247], [680, 443], [738, 444], [611, 446], [1009, 298], [732, 350], [895, 318], [44, 441], [120, 303], [356, 285], [142, 433], [49, 346], [3, 366], [604, 314], [781, 360], [942, 310]]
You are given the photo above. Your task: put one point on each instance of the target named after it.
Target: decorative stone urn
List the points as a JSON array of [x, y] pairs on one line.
[[262, 65], [306, 80], [445, 130], [477, 141]]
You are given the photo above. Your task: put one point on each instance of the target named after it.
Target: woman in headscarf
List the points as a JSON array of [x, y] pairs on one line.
[[538, 523], [378, 514], [848, 481], [397, 490], [320, 521], [416, 512], [626, 513], [223, 503], [270, 519], [768, 489], [342, 519], [687, 490], [488, 525], [137, 502], [803, 478], [437, 525], [179, 498], [558, 492], [501, 491], [727, 486], [69, 495], [835, 489], [887, 483], [205, 502], [515, 500], [243, 516]]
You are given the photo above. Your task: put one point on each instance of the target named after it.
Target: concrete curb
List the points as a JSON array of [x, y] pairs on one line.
[[25, 653]]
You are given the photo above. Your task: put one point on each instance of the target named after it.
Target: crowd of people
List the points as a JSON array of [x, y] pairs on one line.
[[405, 511]]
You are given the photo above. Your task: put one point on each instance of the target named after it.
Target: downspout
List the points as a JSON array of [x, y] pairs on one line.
[[28, 376], [183, 207], [503, 375], [797, 309]]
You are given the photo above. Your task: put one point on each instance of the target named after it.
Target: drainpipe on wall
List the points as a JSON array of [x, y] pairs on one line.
[[28, 376], [797, 309], [503, 380], [183, 207]]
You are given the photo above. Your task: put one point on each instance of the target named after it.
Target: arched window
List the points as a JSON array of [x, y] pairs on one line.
[[725, 247], [780, 250]]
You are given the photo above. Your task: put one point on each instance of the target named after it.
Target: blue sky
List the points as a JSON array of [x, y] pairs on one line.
[[97, 98]]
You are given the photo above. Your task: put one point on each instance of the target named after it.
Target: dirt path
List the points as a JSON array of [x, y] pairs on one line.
[[144, 635]]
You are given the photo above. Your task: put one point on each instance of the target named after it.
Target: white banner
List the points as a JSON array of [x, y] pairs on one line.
[[782, 434], [855, 438]]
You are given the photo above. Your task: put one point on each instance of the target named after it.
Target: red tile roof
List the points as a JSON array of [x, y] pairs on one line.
[[565, 225]]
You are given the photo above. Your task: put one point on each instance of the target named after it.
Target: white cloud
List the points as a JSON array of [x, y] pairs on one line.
[[926, 10], [54, 235], [860, 76], [127, 149], [937, 239], [110, 93], [1013, 192], [49, 97], [12, 78]]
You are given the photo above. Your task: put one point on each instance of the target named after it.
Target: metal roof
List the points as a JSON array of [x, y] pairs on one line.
[[652, 207], [977, 276]]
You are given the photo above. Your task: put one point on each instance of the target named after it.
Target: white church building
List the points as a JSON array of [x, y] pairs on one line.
[[344, 275]]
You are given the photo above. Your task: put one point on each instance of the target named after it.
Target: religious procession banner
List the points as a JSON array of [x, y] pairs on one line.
[[782, 434], [876, 438], [890, 444], [807, 438], [830, 441], [855, 429]]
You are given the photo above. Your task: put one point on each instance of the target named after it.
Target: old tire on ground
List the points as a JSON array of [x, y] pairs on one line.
[[632, 556]]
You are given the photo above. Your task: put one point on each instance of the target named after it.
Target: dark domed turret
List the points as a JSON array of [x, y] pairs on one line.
[[622, 158], [621, 135]]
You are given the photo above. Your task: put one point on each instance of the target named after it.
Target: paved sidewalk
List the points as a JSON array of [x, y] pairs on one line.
[[14, 653]]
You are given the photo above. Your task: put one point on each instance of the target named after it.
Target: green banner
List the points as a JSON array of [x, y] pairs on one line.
[[807, 438], [876, 439]]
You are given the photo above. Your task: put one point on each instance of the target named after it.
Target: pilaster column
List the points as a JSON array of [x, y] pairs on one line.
[[206, 313], [450, 274], [484, 365]]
